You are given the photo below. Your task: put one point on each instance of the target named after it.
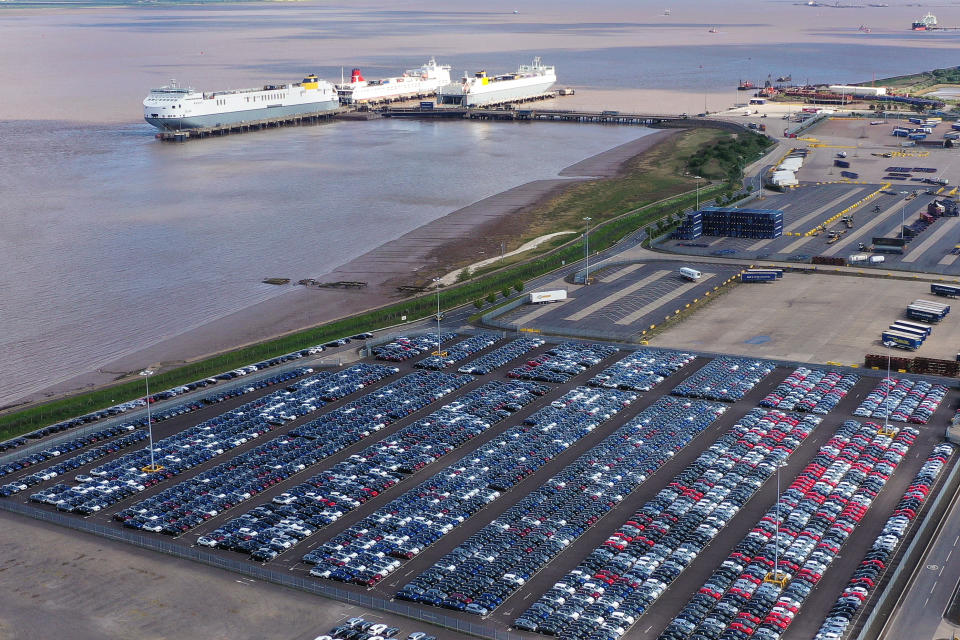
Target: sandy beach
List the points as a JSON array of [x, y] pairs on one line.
[[426, 252]]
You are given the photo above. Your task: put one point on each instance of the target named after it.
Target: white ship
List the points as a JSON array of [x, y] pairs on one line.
[[529, 81], [176, 108], [414, 83]]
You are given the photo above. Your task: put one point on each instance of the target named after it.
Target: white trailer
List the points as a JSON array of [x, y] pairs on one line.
[[690, 274], [543, 297]]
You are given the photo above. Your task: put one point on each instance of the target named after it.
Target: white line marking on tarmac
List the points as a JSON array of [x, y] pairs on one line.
[[956, 540], [647, 630], [949, 554], [933, 587], [925, 602]]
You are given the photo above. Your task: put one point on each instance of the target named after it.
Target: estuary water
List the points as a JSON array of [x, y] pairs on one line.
[[111, 241]]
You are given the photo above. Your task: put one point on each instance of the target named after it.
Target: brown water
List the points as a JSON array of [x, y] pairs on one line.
[[110, 240]]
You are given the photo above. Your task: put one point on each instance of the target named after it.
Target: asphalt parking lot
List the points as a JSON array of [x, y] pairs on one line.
[[623, 301], [816, 318], [652, 622], [876, 201]]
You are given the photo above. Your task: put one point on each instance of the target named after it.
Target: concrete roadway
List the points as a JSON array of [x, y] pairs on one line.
[[920, 614]]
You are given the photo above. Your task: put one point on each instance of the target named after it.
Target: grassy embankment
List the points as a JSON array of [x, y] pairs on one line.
[[618, 207], [919, 84]]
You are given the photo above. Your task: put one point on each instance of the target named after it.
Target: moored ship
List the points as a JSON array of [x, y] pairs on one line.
[[175, 108], [925, 23], [414, 83], [528, 82]]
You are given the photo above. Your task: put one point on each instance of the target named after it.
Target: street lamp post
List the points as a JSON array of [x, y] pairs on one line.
[[146, 373], [698, 191], [586, 252]]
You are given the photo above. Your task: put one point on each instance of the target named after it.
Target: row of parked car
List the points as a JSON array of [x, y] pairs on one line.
[[489, 362], [642, 370], [384, 406], [171, 393], [179, 508], [622, 578], [64, 447], [125, 476], [813, 519], [404, 348], [904, 400], [459, 351], [865, 578], [724, 379], [489, 566], [75, 462], [371, 549], [359, 629], [563, 362], [811, 390], [334, 492]]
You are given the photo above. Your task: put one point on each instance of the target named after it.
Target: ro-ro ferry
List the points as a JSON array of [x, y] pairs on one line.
[[176, 108]]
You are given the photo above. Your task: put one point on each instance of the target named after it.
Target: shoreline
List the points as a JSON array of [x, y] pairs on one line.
[[408, 260]]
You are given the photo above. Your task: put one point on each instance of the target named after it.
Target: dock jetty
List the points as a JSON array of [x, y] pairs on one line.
[[502, 113]]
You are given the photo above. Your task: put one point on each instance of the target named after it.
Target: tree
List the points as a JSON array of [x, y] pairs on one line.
[[518, 286], [478, 303], [506, 292], [491, 298], [464, 275]]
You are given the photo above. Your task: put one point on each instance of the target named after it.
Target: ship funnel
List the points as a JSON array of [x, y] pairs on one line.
[[355, 76]]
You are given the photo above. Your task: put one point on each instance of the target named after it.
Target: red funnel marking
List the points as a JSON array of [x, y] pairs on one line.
[[355, 76]]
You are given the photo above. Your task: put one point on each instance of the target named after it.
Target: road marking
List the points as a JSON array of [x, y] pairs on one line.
[[925, 602], [661, 301], [596, 306], [536, 313], [949, 554], [940, 573], [933, 587], [620, 273], [934, 236], [647, 630], [860, 232], [956, 540]]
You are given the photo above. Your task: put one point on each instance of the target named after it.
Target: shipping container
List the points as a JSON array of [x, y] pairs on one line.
[[763, 276], [934, 304], [910, 331], [949, 290], [543, 297], [858, 258], [916, 136], [924, 315], [920, 326], [900, 340]]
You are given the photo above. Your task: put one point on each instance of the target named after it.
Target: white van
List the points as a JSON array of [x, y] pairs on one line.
[[690, 274]]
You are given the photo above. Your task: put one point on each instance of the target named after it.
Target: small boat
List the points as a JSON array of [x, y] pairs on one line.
[[666, 12], [786, 78], [714, 30], [864, 29], [746, 85]]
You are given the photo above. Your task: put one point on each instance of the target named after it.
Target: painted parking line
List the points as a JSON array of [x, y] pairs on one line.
[[802, 222], [543, 309], [861, 231], [949, 259], [676, 293], [596, 306], [619, 273], [934, 236]]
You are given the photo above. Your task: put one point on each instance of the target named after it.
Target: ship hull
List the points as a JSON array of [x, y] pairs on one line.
[[454, 94], [239, 117]]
